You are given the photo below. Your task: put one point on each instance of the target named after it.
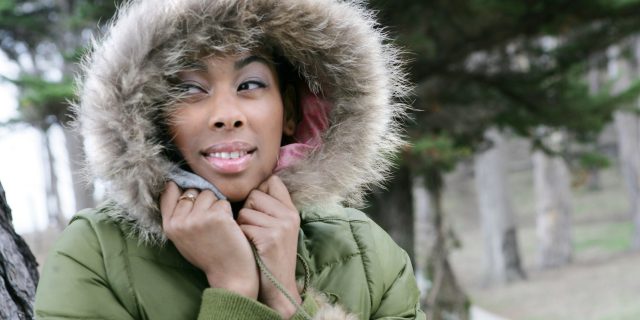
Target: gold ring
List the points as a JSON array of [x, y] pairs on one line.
[[188, 196]]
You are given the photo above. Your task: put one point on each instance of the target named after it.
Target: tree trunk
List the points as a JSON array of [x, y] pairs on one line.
[[502, 258], [445, 299], [56, 217], [18, 269], [423, 232], [67, 42], [553, 210], [82, 189], [628, 129], [594, 180]]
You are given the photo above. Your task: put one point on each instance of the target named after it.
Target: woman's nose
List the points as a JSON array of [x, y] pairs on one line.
[[227, 123], [226, 115]]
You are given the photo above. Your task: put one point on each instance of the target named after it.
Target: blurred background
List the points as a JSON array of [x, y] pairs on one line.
[[518, 196]]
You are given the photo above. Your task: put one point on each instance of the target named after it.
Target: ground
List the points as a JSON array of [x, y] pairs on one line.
[[602, 282]]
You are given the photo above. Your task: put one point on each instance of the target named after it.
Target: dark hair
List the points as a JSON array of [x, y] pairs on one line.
[[288, 80]]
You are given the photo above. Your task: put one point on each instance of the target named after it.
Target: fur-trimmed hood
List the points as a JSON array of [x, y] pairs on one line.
[[334, 45]]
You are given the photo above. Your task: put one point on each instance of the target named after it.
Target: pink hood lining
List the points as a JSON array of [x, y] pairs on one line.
[[308, 133]]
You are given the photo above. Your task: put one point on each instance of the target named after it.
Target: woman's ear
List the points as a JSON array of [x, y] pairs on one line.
[[289, 101]]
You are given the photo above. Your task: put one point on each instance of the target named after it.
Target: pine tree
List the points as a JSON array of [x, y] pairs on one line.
[[45, 39], [511, 65]]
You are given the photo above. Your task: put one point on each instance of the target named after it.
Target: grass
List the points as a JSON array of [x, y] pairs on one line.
[[603, 237], [631, 314], [601, 284]]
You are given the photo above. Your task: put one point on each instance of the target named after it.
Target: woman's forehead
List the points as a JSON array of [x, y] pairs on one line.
[[238, 61]]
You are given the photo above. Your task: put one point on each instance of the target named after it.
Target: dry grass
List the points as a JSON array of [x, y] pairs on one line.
[[602, 283]]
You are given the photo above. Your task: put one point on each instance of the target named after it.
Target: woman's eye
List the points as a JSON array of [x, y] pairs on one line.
[[191, 88], [251, 85]]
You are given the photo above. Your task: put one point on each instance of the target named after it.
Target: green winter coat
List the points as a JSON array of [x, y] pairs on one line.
[[115, 262], [96, 272]]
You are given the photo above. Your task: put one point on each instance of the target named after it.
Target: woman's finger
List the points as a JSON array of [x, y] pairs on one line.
[[204, 201], [260, 201], [275, 187], [185, 203], [169, 200], [252, 233], [255, 218], [223, 206]]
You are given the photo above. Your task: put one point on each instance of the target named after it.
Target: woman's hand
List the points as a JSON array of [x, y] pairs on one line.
[[204, 232], [271, 221]]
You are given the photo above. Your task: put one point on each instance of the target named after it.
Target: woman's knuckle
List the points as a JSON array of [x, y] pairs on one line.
[[274, 235], [223, 205]]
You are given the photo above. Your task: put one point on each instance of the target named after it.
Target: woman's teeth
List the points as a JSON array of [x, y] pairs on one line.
[[228, 155]]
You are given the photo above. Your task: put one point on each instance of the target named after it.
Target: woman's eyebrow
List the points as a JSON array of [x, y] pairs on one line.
[[249, 59], [197, 66]]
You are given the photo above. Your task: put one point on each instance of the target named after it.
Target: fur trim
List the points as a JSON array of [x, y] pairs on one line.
[[328, 311], [336, 47]]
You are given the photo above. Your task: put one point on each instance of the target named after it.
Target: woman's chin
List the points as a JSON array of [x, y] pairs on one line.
[[236, 195]]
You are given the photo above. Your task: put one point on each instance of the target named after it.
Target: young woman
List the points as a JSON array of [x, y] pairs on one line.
[[288, 107]]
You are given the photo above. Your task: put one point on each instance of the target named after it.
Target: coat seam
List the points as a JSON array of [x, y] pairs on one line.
[[92, 225], [307, 221], [364, 258], [70, 257], [339, 261], [49, 314], [127, 264]]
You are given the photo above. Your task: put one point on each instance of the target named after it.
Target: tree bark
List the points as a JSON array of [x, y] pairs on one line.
[[423, 232], [18, 269], [502, 258], [82, 189], [553, 210], [445, 298], [628, 130], [67, 42], [56, 217]]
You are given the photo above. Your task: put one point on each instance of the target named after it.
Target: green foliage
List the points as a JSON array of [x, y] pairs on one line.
[[438, 152], [40, 99], [433, 155], [517, 65], [25, 25], [594, 160], [88, 14], [23, 21]]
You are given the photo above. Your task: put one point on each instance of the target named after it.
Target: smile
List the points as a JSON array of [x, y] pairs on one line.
[[228, 155], [229, 158]]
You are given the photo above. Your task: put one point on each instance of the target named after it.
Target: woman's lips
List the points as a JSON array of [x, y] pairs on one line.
[[229, 162], [229, 157]]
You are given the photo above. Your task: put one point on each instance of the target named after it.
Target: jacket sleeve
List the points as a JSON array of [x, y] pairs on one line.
[[223, 304], [392, 284], [402, 298], [73, 281]]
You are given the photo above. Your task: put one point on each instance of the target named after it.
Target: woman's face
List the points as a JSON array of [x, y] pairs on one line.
[[229, 126]]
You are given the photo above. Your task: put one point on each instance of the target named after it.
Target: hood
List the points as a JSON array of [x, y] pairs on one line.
[[340, 53]]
